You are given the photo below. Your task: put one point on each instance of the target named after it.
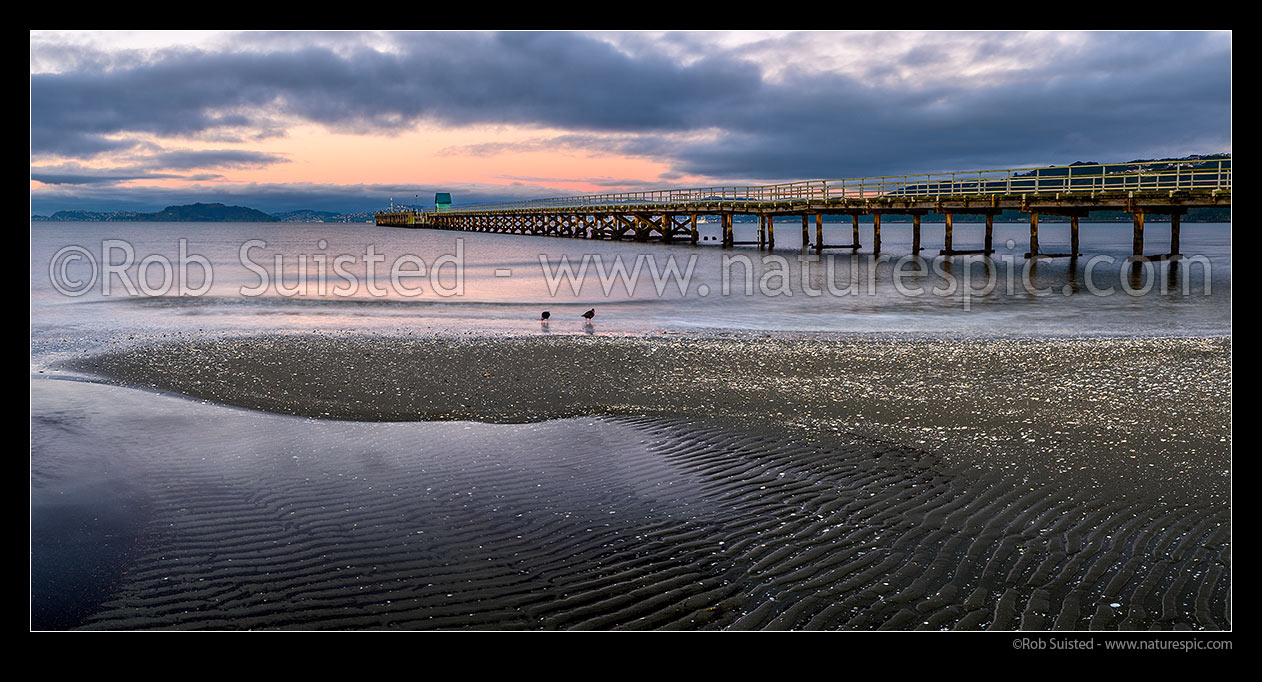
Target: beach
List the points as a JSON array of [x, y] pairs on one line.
[[659, 481], [706, 331], [868, 461]]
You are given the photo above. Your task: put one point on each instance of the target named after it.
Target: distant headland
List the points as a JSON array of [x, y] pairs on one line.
[[206, 213]]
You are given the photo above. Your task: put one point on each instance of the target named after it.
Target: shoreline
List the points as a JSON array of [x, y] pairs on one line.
[[1156, 408], [836, 485]]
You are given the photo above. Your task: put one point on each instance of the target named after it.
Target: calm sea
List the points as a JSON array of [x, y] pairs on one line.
[[96, 280]]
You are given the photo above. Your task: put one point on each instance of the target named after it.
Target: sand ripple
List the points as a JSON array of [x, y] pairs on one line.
[[623, 523]]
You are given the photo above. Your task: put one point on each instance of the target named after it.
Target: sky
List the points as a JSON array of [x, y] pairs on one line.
[[351, 121]]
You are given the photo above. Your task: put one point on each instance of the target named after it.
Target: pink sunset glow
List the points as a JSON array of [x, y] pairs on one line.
[[294, 120]]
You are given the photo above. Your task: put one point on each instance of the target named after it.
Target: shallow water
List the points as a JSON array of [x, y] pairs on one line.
[[263, 521], [490, 283]]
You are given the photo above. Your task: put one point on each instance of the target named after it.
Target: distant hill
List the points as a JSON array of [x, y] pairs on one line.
[[204, 213], [214, 213]]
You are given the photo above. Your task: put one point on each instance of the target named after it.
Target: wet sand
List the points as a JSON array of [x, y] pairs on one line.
[[728, 483], [1157, 409]]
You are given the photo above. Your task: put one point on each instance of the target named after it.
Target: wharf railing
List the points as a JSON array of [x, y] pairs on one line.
[[1201, 175]]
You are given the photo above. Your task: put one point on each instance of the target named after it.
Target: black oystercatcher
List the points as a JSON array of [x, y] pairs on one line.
[[590, 314]]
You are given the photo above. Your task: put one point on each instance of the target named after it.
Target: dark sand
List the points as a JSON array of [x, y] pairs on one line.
[[1157, 409], [758, 483]]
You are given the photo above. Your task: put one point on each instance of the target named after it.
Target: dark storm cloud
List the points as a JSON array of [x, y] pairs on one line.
[[93, 178], [158, 164], [1152, 97], [547, 79], [553, 79], [185, 159], [151, 167], [46, 139], [1107, 96]]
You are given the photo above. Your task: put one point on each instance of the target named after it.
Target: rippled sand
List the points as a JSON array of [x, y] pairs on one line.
[[677, 483]]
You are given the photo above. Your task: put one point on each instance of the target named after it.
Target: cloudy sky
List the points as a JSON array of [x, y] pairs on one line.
[[347, 121]]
